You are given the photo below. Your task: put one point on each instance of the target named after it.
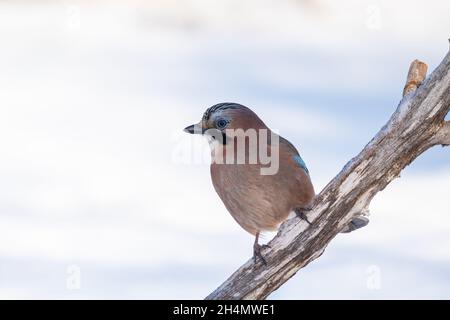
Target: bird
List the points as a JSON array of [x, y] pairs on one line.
[[258, 202]]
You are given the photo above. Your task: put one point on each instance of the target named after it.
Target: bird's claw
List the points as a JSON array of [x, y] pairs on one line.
[[257, 253], [302, 215]]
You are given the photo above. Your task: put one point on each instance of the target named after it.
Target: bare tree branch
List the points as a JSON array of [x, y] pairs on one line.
[[417, 124]]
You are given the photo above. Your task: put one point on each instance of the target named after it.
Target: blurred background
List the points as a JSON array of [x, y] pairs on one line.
[[103, 196]]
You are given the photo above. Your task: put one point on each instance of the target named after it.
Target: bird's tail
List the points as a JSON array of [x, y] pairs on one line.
[[357, 223]]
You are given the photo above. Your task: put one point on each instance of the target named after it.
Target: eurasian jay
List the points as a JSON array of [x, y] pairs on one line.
[[257, 201]]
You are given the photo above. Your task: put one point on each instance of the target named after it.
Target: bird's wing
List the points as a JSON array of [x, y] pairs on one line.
[[294, 153]]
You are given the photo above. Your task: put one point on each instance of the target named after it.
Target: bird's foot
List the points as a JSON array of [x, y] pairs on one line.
[[302, 215], [257, 253]]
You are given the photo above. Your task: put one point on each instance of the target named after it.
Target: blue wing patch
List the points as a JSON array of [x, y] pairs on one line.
[[301, 163]]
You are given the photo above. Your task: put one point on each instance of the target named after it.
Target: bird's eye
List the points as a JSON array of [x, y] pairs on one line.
[[222, 123]]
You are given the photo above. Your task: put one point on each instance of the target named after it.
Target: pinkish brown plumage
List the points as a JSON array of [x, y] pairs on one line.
[[261, 202]]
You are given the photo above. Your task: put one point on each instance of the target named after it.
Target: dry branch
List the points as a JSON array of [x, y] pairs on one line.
[[417, 125], [416, 75]]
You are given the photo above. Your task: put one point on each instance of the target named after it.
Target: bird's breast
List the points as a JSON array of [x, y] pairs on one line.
[[253, 200], [261, 202]]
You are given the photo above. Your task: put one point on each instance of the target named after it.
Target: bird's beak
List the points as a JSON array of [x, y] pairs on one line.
[[194, 129]]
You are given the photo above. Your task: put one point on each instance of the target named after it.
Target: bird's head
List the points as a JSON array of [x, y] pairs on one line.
[[226, 116]]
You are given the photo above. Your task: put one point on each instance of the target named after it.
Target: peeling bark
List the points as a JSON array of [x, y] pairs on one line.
[[417, 125]]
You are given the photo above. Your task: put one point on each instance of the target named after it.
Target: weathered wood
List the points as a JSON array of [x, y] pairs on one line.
[[443, 136], [416, 75], [417, 124]]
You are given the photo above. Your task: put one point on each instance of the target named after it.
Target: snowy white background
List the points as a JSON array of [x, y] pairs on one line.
[[97, 178]]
